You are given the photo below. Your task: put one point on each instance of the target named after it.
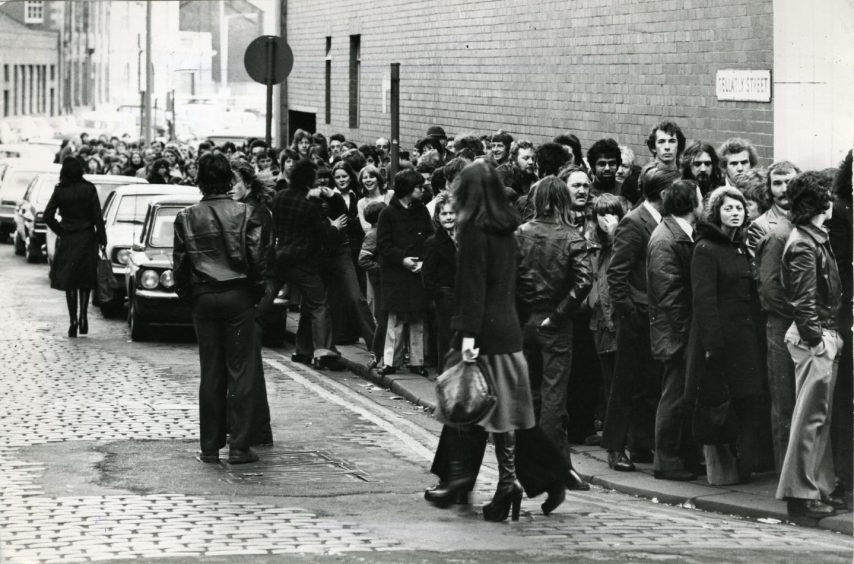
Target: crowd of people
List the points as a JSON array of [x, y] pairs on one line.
[[692, 313]]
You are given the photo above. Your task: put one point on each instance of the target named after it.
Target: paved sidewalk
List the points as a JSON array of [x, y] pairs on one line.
[[754, 500]]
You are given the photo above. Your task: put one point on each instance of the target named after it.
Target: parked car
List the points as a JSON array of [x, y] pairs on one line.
[[30, 228], [18, 175], [105, 184], [124, 215], [27, 151], [149, 281]]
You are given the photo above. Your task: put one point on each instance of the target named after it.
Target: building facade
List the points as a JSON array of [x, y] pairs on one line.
[[29, 80], [596, 68]]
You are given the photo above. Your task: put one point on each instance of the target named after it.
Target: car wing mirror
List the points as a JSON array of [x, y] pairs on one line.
[[138, 247]]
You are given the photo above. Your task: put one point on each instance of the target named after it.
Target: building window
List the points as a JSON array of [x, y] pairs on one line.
[[52, 73], [5, 103], [5, 73], [355, 69], [328, 119], [34, 12]]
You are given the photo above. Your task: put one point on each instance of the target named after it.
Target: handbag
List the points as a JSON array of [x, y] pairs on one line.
[[106, 282], [464, 395]]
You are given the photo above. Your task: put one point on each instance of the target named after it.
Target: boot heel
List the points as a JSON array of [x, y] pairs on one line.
[[517, 506]]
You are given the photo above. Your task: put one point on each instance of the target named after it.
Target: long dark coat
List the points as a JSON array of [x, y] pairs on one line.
[[401, 233], [725, 319]]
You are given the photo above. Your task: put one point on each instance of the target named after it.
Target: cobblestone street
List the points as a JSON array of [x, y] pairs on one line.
[[99, 451]]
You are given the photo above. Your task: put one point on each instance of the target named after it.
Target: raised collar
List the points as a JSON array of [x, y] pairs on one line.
[[818, 234]]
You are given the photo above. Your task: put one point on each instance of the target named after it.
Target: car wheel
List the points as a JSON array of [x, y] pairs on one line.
[[111, 308], [20, 245], [32, 255], [5, 233], [138, 327]]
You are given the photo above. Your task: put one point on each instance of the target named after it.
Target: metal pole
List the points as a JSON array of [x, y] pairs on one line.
[[149, 75], [395, 122], [284, 126], [271, 57]]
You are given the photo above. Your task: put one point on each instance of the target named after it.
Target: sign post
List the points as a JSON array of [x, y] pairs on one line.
[[394, 145], [268, 60]]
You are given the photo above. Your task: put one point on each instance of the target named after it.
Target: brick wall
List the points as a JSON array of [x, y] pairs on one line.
[[537, 67]]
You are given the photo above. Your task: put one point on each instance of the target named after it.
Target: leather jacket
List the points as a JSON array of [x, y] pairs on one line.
[[812, 283], [218, 245], [554, 269]]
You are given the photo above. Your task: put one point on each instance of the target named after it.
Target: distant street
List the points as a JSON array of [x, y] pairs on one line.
[[99, 450]]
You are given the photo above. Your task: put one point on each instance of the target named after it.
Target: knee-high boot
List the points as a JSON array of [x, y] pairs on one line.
[[83, 321], [509, 492], [71, 303], [457, 461]]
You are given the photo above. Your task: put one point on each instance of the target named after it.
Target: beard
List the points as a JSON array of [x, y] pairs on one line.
[[606, 181], [704, 179]]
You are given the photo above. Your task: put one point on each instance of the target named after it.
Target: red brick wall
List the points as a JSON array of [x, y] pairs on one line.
[[537, 67]]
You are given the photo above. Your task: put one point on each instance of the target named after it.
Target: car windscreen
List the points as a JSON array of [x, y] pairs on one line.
[[42, 193], [104, 190], [163, 227], [15, 184], [132, 207]]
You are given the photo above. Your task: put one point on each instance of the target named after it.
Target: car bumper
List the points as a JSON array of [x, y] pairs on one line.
[[162, 308]]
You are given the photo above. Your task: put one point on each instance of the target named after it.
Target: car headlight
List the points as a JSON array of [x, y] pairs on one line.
[[122, 256], [167, 280], [149, 279]]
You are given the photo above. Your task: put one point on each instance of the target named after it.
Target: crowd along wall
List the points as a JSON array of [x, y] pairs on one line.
[[534, 67]]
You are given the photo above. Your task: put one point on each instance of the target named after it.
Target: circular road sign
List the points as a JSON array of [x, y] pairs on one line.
[[268, 54]]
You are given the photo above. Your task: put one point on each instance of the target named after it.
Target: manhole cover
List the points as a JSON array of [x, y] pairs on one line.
[[290, 465]]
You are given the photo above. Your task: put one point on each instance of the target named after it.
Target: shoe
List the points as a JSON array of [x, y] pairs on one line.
[[301, 358], [833, 501], [642, 456], [619, 460], [556, 495], [508, 494], [72, 329], [419, 370], [240, 456], [387, 370], [327, 363], [575, 482], [675, 475], [209, 456], [809, 508], [83, 324], [455, 489], [373, 362]]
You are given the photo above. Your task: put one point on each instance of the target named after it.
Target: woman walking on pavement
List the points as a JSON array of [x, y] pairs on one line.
[[80, 234], [219, 268], [488, 327]]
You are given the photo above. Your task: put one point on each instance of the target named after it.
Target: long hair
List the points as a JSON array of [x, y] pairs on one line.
[[71, 171], [809, 192], [354, 182], [606, 204], [259, 184], [551, 199], [694, 151], [842, 183], [481, 200], [375, 172]]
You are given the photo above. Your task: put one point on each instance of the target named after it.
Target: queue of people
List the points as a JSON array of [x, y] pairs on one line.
[[693, 312]]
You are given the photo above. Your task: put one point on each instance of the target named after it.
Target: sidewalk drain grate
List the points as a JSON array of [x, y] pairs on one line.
[[303, 465]]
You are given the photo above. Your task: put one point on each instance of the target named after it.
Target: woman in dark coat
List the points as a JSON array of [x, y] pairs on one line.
[[80, 233], [489, 329], [723, 348], [401, 232], [440, 271]]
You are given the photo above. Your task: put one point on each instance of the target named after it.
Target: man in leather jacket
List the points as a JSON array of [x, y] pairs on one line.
[[554, 278], [219, 266], [813, 288]]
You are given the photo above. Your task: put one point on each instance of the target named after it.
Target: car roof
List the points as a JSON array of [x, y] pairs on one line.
[[170, 199], [164, 189], [32, 165], [114, 179]]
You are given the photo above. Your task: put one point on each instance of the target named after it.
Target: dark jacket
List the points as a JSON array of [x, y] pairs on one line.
[[79, 207], [627, 271], [839, 228], [599, 299], [811, 281], [439, 272], [724, 317], [762, 226], [368, 260], [554, 271], [769, 261], [355, 233], [485, 291], [217, 246], [301, 233], [334, 207], [401, 233], [668, 284]]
